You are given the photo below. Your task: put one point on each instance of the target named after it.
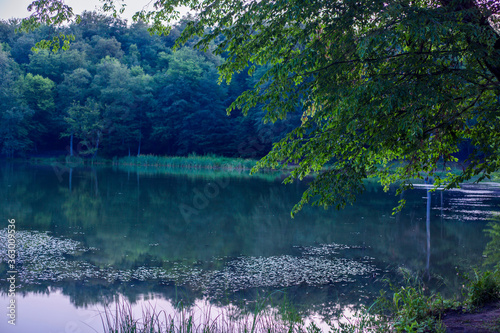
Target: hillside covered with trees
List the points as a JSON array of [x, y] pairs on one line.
[[119, 91]]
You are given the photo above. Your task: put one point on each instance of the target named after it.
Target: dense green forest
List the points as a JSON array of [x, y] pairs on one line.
[[120, 91]]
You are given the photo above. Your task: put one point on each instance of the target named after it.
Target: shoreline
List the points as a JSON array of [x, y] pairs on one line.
[[191, 161]]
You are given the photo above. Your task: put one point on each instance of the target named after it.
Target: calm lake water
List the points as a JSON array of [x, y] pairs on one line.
[[218, 240]]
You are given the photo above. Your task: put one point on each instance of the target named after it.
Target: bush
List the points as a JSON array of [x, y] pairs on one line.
[[482, 288]]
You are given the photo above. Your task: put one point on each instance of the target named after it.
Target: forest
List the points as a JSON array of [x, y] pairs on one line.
[[120, 91]]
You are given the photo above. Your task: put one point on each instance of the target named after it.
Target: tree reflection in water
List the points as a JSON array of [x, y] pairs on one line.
[[133, 225]]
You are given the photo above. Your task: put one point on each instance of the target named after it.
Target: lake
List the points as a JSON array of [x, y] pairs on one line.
[[198, 240]]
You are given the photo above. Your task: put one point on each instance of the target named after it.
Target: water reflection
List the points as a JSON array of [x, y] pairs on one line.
[[428, 230], [100, 232]]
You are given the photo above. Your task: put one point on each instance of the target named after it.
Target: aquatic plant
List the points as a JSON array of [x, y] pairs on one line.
[[194, 161], [43, 257], [191, 161], [120, 319]]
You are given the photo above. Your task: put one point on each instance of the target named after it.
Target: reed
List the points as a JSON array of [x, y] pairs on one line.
[[191, 161], [120, 319]]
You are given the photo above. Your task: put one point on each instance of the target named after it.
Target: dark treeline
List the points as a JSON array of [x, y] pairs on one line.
[[120, 91]]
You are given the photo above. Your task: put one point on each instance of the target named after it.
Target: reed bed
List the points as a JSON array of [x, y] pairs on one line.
[[120, 319], [191, 161]]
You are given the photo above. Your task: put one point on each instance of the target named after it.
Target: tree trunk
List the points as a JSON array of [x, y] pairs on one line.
[[97, 145], [70, 178], [71, 145], [139, 148]]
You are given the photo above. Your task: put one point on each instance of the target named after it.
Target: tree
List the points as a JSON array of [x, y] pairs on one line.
[[14, 116], [75, 87], [386, 88], [85, 123], [141, 86], [112, 86], [38, 95], [14, 131], [21, 49], [54, 65], [125, 96], [106, 48], [189, 113]]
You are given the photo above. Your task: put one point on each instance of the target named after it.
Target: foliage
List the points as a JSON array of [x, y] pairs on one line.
[[14, 114], [375, 82], [492, 250], [151, 100], [85, 122], [409, 310], [189, 119], [53, 65], [14, 131], [482, 288], [51, 12]]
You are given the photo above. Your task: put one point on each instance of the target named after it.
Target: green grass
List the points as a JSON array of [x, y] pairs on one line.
[[191, 161], [199, 172], [212, 162], [209, 166], [410, 309], [120, 319]]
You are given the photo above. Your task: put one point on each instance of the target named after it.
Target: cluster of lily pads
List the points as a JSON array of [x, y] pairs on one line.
[[42, 257]]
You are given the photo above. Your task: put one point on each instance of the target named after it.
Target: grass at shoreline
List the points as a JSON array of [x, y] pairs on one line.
[[209, 166], [206, 162], [407, 309], [199, 166], [192, 161], [120, 318], [199, 172]]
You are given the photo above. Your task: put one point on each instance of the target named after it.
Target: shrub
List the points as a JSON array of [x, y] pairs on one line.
[[482, 288]]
